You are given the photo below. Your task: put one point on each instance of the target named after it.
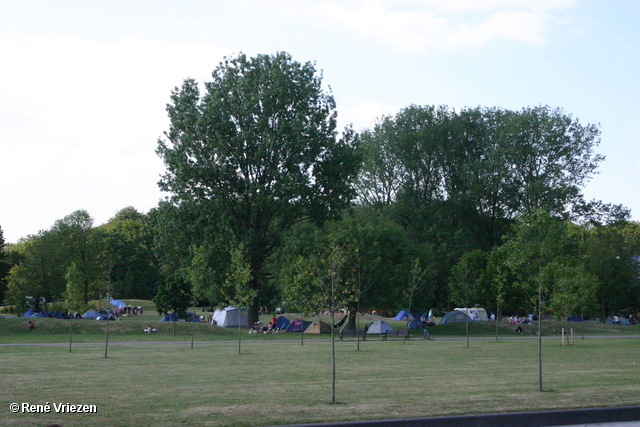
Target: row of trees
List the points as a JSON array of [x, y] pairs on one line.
[[78, 258], [423, 208]]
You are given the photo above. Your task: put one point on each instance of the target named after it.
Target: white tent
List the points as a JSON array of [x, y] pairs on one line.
[[471, 312], [379, 327], [230, 316]]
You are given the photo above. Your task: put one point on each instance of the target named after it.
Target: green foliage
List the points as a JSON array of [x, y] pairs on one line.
[[261, 183], [239, 278], [574, 291], [79, 243], [466, 278], [129, 267], [74, 294], [173, 295], [39, 273], [535, 249], [255, 154]]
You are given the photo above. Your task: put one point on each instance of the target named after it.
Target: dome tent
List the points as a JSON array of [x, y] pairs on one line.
[[319, 327], [230, 316], [298, 325], [90, 314], [378, 327], [454, 316], [475, 311]]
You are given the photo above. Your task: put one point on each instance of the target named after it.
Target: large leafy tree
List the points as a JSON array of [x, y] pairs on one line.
[[174, 295], [127, 259], [80, 244], [257, 153], [39, 273]]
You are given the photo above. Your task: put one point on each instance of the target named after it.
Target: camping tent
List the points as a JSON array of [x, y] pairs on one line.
[[379, 327], [482, 314], [55, 314], [90, 314], [31, 313], [319, 327], [169, 317], [282, 322], [192, 317], [404, 313], [400, 315], [298, 325], [454, 316], [230, 316], [116, 303], [105, 317]]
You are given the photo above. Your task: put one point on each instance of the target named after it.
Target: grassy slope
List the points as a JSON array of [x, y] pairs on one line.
[[13, 330]]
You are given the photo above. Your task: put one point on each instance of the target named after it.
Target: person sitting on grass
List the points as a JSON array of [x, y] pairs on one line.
[[149, 329], [519, 329], [31, 325]]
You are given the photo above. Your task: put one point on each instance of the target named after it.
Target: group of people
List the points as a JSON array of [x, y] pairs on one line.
[[515, 320], [260, 327]]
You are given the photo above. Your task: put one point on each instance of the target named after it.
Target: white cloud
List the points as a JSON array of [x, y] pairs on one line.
[[366, 114], [426, 25]]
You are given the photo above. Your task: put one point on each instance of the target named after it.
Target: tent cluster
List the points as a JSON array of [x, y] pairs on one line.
[[104, 314], [300, 325], [187, 316]]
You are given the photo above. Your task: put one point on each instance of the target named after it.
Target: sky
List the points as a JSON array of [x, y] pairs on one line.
[[84, 84]]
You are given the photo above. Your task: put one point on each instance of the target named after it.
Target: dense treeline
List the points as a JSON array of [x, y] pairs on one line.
[[116, 257], [271, 207]]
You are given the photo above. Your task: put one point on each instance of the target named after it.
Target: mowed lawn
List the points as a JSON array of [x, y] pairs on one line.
[[282, 382]]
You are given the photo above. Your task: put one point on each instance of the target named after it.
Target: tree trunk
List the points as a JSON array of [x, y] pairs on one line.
[[352, 319], [106, 343], [70, 331], [540, 338]]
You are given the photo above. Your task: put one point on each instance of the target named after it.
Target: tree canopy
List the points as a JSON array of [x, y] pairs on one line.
[[257, 153], [264, 188]]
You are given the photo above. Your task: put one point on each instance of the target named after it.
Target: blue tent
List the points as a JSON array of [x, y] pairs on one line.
[[31, 313], [169, 317], [282, 322], [117, 303], [400, 315], [55, 314], [192, 317], [173, 317], [575, 318], [105, 317]]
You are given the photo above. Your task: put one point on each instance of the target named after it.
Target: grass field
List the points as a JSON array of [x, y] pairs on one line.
[[276, 380]]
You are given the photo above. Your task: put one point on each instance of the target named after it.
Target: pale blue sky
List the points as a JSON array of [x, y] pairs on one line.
[[84, 83]]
